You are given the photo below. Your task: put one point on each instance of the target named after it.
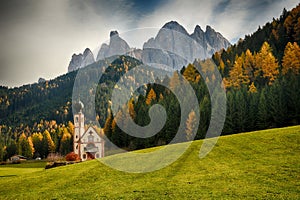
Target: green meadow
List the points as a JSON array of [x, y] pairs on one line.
[[257, 165]]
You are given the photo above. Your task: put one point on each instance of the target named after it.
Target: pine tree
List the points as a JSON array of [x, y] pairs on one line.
[[253, 110], [205, 111], [229, 126], [11, 149], [277, 104], [262, 118], [241, 111]]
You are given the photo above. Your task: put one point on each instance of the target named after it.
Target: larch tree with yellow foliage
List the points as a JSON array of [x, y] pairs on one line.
[[237, 75], [174, 81], [252, 88], [266, 64], [291, 59], [24, 146], [191, 74], [150, 97], [191, 126], [66, 142]]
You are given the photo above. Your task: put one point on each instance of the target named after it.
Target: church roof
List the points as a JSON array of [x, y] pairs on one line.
[[90, 129]]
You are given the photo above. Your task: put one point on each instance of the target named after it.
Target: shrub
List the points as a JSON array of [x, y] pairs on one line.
[[16, 161], [72, 157], [52, 157]]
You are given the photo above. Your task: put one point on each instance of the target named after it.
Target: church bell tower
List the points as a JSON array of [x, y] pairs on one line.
[[78, 127]]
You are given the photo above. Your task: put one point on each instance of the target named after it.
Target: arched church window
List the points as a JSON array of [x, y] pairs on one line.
[[76, 146], [76, 119], [84, 156]]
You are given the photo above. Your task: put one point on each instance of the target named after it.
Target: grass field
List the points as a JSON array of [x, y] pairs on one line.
[[20, 169], [256, 165]]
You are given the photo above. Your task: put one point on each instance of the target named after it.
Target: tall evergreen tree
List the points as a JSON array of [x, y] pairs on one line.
[[241, 110], [253, 111], [262, 118], [229, 126], [205, 113]]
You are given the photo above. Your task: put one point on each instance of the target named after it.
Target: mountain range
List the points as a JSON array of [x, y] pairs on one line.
[[171, 49]]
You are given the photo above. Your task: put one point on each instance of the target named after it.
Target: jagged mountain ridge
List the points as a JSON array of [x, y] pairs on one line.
[[171, 49], [116, 46], [81, 60]]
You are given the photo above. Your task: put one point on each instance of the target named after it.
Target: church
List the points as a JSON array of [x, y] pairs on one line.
[[88, 144]]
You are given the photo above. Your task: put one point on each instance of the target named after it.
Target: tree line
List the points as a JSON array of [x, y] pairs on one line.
[[39, 140]]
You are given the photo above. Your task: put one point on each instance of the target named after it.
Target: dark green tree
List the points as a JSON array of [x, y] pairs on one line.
[[262, 115]]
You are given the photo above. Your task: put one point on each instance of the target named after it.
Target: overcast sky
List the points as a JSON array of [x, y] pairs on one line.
[[38, 37]]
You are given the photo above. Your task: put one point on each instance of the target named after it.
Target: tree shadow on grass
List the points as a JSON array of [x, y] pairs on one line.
[[7, 176]]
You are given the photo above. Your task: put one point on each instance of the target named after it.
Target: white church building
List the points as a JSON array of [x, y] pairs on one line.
[[88, 144]]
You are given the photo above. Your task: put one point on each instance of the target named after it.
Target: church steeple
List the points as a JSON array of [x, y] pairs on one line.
[[78, 127]]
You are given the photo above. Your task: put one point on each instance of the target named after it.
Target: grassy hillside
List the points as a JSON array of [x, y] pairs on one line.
[[20, 169], [262, 164]]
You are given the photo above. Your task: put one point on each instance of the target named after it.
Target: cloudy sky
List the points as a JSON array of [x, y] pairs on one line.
[[38, 37]]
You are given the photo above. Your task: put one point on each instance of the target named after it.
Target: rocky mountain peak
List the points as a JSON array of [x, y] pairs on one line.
[[116, 46], [173, 50], [87, 52], [173, 25], [81, 60], [209, 29], [198, 34], [198, 29], [113, 33]]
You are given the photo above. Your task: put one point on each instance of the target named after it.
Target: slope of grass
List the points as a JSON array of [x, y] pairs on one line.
[[256, 165], [10, 170]]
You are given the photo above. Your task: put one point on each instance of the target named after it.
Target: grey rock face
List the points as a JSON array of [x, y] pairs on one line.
[[88, 58], [117, 46], [173, 47], [81, 60]]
